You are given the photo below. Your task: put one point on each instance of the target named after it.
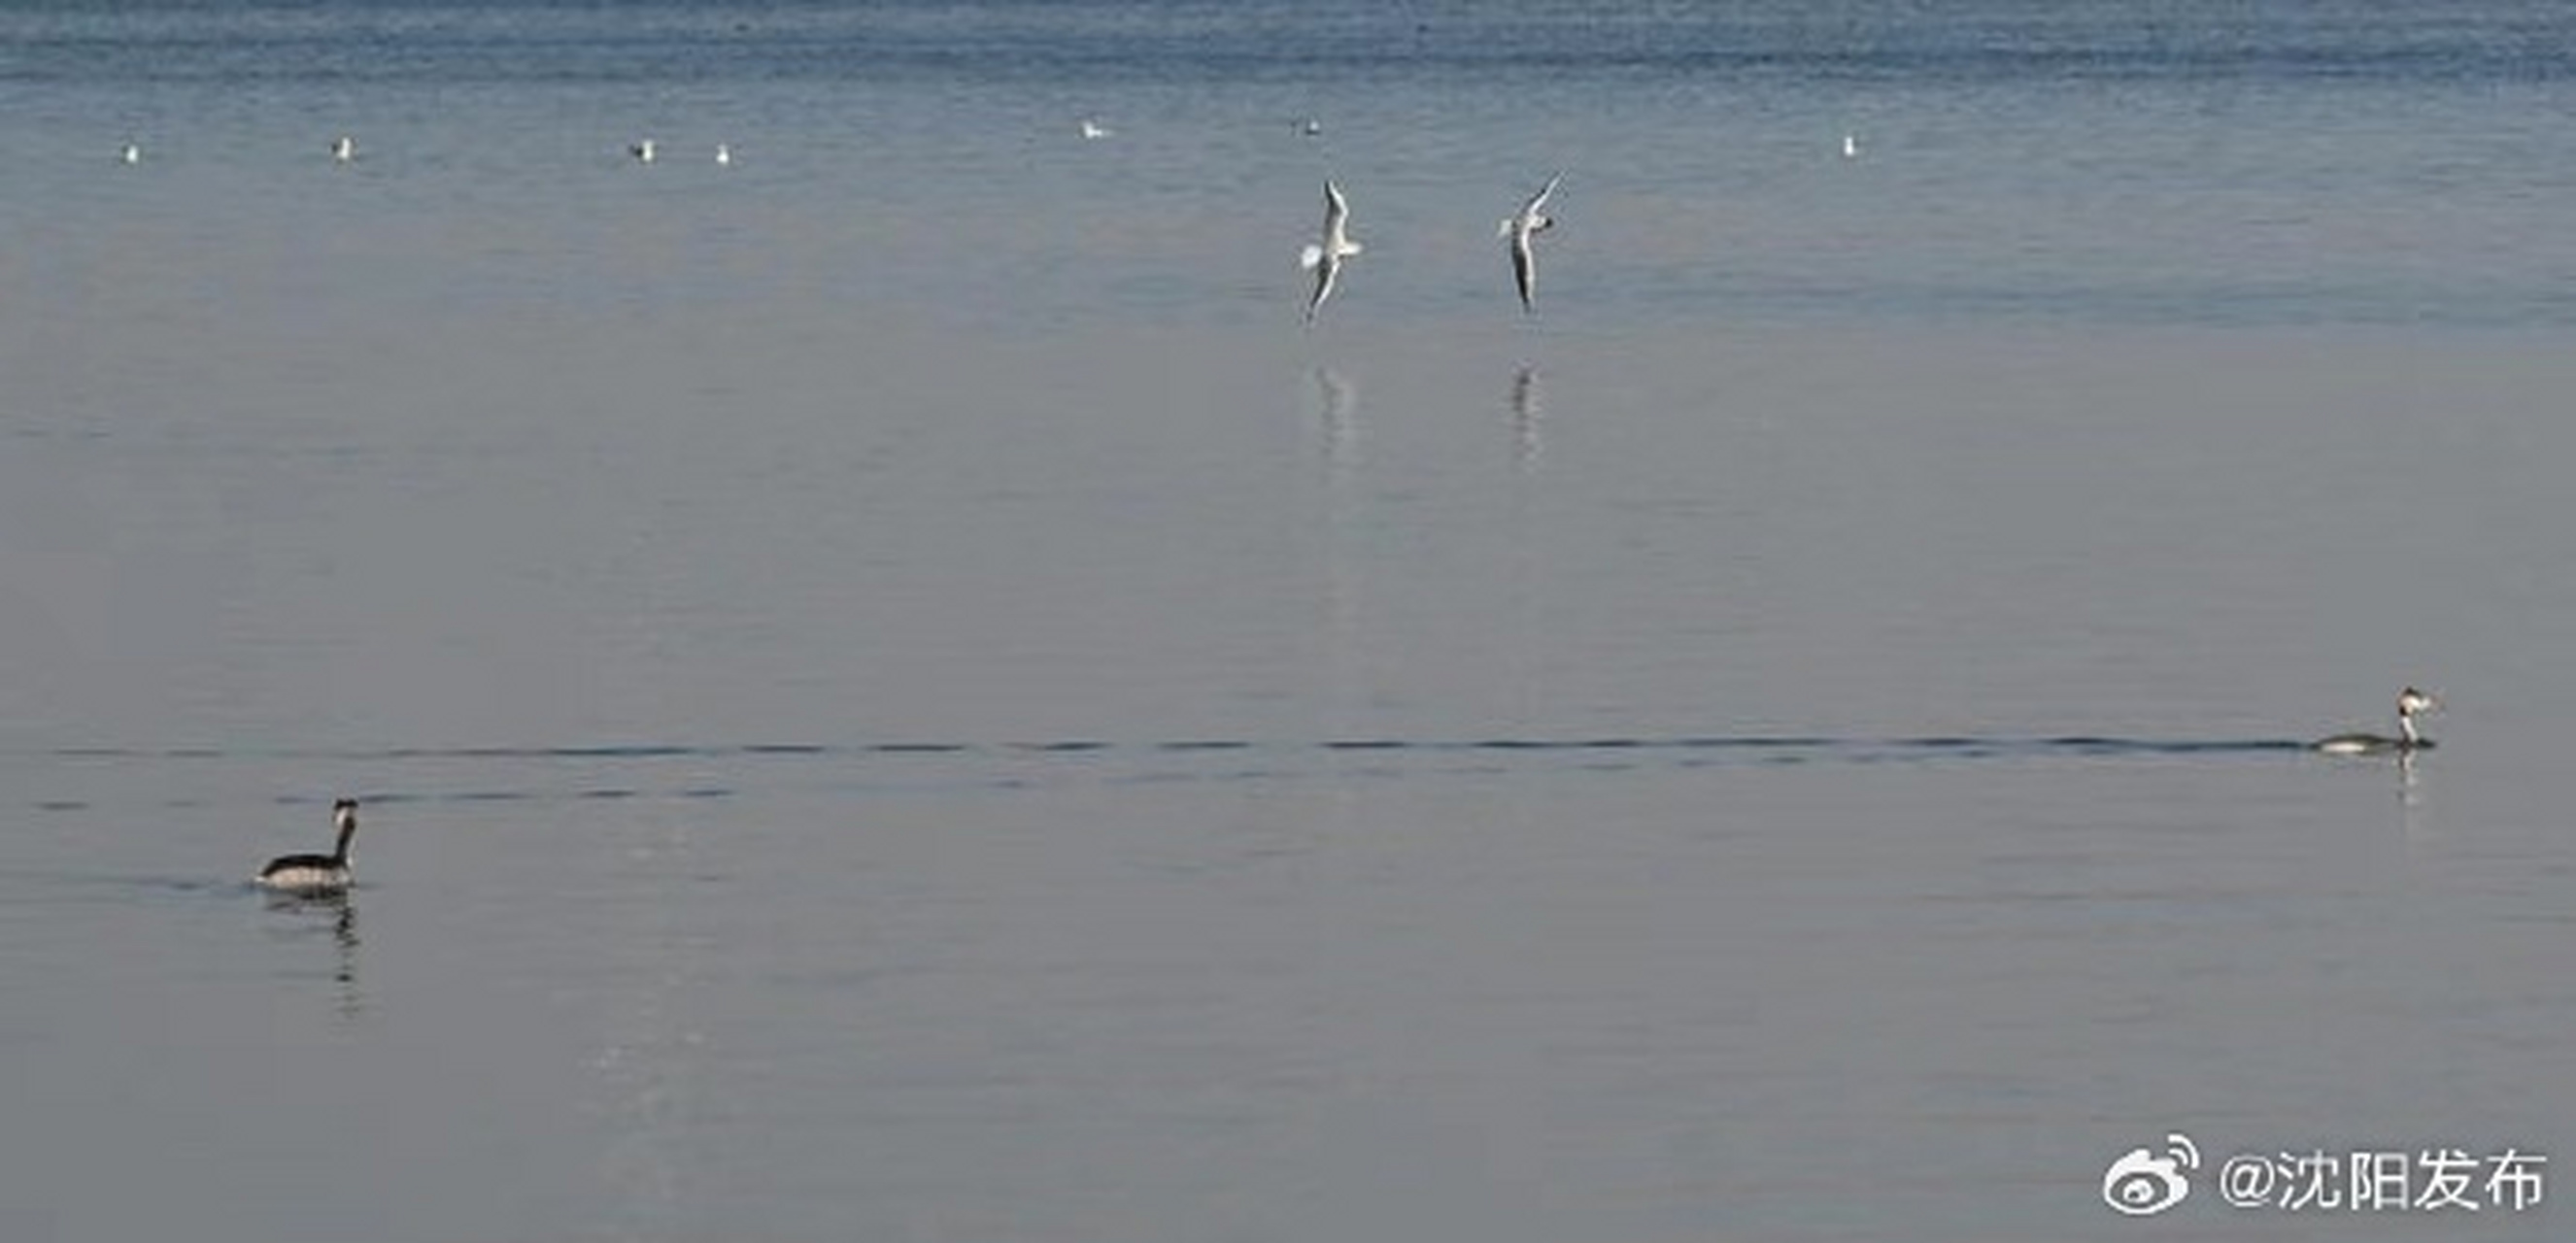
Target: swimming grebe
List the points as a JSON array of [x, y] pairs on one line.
[[344, 148], [316, 874], [2410, 704], [1325, 259]]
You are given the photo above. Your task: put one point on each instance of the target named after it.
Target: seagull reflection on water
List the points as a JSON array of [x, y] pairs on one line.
[[1342, 685], [1529, 411], [1334, 401]]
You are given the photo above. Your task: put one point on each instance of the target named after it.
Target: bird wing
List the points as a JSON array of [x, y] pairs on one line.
[[1539, 199], [1324, 273]]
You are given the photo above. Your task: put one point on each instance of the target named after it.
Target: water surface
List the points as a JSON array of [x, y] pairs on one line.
[[899, 694]]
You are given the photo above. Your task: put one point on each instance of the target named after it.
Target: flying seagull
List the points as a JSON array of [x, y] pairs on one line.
[[1325, 259], [1519, 230]]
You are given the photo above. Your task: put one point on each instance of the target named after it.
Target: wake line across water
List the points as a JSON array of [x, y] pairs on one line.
[[930, 766], [1852, 749]]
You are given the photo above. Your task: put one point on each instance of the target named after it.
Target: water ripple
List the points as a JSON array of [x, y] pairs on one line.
[[1955, 745], [960, 765]]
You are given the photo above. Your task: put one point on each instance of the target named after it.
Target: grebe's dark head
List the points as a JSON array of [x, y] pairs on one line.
[[2412, 701], [344, 814]]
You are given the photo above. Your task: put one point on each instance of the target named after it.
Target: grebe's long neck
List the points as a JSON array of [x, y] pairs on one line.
[[2406, 726], [348, 834]]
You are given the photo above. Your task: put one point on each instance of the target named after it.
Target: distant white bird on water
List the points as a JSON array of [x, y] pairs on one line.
[[1325, 259], [1851, 146], [132, 154], [344, 148], [642, 150], [724, 155], [1310, 128], [1519, 229], [1092, 128]]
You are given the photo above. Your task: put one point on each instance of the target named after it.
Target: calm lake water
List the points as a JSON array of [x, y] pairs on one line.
[[900, 693]]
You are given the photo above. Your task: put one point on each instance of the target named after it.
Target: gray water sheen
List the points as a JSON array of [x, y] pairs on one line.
[[900, 694]]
